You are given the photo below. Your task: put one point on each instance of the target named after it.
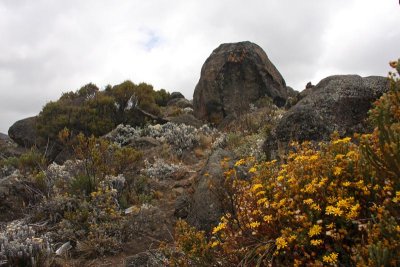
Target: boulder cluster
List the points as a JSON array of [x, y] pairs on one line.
[[237, 75]]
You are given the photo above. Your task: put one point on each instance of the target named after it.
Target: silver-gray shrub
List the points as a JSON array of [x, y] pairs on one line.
[[181, 137], [115, 182], [62, 174], [20, 245], [159, 169]]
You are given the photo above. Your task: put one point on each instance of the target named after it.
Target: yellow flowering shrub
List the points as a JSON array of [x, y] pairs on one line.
[[329, 204], [192, 247]]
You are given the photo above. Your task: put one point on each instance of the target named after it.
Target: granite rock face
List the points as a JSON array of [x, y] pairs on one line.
[[23, 132], [235, 75], [207, 206], [337, 103]]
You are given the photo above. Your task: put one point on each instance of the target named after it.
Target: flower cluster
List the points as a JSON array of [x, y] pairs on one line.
[[310, 210]]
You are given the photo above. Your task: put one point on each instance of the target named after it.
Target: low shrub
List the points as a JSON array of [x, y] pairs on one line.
[[334, 204], [21, 246]]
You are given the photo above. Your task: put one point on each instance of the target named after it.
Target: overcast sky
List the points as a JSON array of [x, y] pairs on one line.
[[50, 46]]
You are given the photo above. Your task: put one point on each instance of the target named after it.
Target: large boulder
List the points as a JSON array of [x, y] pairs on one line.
[[337, 103], [23, 132], [207, 205], [233, 76]]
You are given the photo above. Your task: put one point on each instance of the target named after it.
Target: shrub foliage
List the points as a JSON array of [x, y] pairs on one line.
[[91, 111], [331, 204]]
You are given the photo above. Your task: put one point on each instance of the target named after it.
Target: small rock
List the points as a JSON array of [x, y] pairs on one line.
[[152, 258], [182, 207]]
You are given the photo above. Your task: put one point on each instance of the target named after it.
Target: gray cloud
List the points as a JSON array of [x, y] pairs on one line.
[[49, 47]]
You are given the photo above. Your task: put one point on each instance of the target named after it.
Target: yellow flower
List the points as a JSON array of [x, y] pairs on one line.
[[339, 156], [252, 170], [309, 188], [331, 258], [280, 243], [397, 197], [330, 226], [267, 218], [344, 141], [214, 244], [316, 242], [315, 230], [314, 157], [219, 227], [254, 224], [330, 210], [292, 238], [255, 212], [297, 263], [261, 201], [346, 184], [259, 193], [343, 203], [337, 171], [308, 201], [240, 162], [353, 212], [315, 207], [256, 187], [322, 182]]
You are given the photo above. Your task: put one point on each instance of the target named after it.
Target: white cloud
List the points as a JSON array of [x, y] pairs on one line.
[[49, 47]]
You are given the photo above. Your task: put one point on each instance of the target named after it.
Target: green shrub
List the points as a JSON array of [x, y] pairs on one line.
[[32, 162], [94, 112]]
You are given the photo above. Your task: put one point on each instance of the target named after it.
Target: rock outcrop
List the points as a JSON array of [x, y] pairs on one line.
[[23, 132], [235, 75], [337, 103], [207, 207]]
